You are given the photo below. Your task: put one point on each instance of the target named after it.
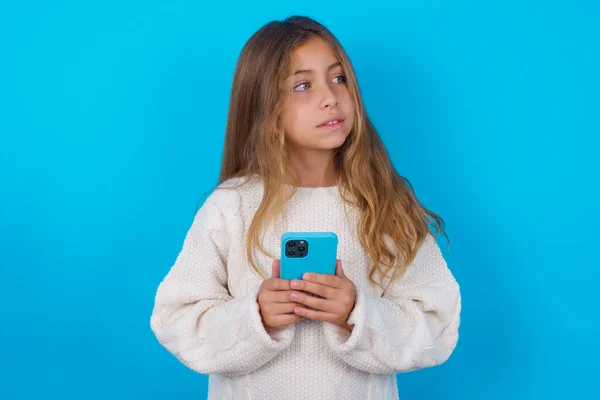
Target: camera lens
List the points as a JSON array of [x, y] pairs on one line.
[[291, 253], [291, 243], [301, 248]]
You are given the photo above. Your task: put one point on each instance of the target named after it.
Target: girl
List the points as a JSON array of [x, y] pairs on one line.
[[302, 155]]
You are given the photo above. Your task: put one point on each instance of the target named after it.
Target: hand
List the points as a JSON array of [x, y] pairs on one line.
[[338, 297], [275, 307]]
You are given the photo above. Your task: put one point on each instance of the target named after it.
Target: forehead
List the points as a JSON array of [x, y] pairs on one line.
[[315, 53]]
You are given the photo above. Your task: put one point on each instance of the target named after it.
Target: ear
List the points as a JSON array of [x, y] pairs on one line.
[[338, 269], [275, 269]]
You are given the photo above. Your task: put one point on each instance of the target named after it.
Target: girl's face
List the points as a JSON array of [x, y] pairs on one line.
[[319, 115]]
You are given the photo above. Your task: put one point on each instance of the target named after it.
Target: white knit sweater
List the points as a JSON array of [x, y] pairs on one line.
[[206, 311]]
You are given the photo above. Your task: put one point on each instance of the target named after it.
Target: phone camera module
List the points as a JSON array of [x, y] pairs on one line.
[[296, 248]]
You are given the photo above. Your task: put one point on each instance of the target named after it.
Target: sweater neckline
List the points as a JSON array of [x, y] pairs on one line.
[[316, 190], [310, 191]]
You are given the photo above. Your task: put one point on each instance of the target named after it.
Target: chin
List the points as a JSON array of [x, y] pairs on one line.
[[339, 139], [329, 141], [334, 144]]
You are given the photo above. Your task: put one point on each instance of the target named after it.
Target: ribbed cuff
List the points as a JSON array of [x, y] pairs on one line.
[[276, 339], [339, 338]]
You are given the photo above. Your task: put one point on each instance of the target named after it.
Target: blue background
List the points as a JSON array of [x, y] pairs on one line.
[[112, 117]]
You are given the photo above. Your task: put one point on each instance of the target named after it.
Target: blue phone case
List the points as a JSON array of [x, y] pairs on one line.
[[320, 255]]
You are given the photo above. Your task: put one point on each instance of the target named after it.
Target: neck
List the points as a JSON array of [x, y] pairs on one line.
[[315, 168]]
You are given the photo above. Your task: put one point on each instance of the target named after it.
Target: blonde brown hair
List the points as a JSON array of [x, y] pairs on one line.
[[392, 223]]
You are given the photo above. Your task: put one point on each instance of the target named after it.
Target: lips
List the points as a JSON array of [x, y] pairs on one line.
[[331, 121]]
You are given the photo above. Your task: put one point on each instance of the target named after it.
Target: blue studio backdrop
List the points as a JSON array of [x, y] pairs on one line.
[[112, 118]]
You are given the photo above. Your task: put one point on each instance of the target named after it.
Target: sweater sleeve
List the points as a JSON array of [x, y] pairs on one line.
[[194, 315], [413, 325]]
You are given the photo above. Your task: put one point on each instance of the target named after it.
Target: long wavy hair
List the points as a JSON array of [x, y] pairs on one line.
[[392, 223]]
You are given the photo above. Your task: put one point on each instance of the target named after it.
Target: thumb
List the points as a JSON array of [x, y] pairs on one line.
[[338, 269], [275, 268]]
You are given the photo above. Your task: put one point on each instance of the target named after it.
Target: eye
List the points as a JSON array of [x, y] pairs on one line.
[[340, 79], [302, 87]]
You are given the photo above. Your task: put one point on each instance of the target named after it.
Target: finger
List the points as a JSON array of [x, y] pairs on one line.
[[285, 319], [338, 269], [314, 288], [313, 302], [314, 315], [333, 281], [274, 309], [274, 284], [275, 267], [279, 296]]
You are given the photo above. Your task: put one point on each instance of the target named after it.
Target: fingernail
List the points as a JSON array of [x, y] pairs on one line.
[[295, 283], [307, 277], [294, 296]]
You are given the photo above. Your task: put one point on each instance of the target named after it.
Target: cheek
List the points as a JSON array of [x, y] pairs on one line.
[[289, 115], [299, 113], [302, 104], [343, 96], [294, 120], [345, 102]]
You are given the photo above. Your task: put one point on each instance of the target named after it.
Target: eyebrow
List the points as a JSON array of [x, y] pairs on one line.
[[310, 71]]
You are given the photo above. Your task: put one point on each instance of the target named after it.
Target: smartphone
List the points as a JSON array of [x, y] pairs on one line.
[[307, 252]]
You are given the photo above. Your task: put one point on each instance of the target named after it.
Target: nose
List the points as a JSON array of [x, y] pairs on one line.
[[328, 99]]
